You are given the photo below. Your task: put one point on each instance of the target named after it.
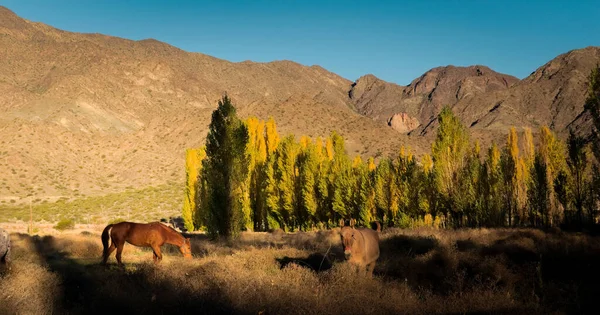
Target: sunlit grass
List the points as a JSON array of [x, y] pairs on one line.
[[147, 204]]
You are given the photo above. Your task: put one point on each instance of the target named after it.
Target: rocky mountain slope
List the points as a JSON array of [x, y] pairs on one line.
[[553, 95], [416, 105], [486, 101]]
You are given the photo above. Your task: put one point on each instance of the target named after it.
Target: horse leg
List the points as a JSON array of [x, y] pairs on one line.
[[356, 268], [157, 253], [370, 268], [108, 252], [119, 252]]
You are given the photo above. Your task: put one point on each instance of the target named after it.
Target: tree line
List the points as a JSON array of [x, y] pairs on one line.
[[248, 178]]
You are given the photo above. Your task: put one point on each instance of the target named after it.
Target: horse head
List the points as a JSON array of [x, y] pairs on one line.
[[349, 237], [186, 248]]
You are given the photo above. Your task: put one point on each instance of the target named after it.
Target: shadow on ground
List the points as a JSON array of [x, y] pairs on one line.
[[557, 270], [316, 262], [90, 288]]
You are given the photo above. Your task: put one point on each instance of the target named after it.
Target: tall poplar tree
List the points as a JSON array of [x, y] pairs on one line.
[[449, 153], [193, 167], [226, 167], [578, 168], [286, 177]]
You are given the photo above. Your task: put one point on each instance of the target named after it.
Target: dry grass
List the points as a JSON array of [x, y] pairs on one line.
[[420, 271]]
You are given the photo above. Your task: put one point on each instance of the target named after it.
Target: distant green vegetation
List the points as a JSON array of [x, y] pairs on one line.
[[65, 224], [147, 204]]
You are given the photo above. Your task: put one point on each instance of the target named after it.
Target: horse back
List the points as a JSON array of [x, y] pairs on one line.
[[370, 245]]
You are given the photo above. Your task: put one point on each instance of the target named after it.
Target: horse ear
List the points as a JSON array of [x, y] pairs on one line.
[[341, 222], [352, 222]]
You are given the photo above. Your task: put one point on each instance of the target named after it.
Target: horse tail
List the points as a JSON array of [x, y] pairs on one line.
[[105, 238]]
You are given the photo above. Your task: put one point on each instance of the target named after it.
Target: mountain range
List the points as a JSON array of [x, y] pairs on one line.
[[89, 114]]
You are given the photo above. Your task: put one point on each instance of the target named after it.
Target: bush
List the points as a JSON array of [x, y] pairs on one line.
[[65, 224], [402, 221]]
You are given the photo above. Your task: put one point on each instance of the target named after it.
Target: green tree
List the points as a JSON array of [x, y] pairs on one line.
[[510, 171], [268, 193], [561, 191], [308, 166], [193, 167], [201, 215], [408, 188], [363, 200], [286, 177], [322, 182], [577, 163], [539, 192], [226, 170], [341, 179], [592, 105], [553, 152], [491, 191], [450, 156], [430, 200], [383, 182], [593, 194], [468, 182]]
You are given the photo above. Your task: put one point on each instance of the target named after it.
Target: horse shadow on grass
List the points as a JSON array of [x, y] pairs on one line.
[[90, 288], [316, 262], [398, 260]]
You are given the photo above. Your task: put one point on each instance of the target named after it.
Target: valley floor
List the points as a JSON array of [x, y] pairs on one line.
[[420, 271]]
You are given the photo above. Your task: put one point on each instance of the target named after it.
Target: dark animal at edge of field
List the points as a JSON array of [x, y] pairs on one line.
[[152, 235], [361, 246], [5, 258]]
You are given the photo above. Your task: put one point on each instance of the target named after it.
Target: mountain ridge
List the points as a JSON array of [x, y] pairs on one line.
[[91, 114]]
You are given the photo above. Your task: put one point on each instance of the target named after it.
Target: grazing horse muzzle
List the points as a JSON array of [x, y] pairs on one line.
[[186, 249], [347, 253]]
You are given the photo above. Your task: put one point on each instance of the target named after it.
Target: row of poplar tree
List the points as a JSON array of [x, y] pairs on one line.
[[247, 178]]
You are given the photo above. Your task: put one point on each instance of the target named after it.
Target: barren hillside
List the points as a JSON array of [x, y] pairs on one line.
[[91, 114]]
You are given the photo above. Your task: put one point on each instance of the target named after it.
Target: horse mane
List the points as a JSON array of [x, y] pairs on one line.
[[171, 230]]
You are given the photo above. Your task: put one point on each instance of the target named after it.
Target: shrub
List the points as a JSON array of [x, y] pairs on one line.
[[65, 224]]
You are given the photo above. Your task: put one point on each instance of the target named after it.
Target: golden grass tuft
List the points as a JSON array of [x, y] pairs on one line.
[[29, 288]]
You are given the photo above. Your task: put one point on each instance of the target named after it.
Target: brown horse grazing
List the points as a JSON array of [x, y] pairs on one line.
[[361, 246], [153, 235]]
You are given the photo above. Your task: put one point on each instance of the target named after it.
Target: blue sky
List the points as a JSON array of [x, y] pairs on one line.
[[394, 40]]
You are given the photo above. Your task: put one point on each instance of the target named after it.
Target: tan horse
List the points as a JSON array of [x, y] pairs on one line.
[[4, 249], [152, 235], [361, 246]]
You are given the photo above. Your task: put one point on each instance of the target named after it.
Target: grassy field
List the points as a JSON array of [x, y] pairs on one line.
[[148, 204], [420, 271]]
